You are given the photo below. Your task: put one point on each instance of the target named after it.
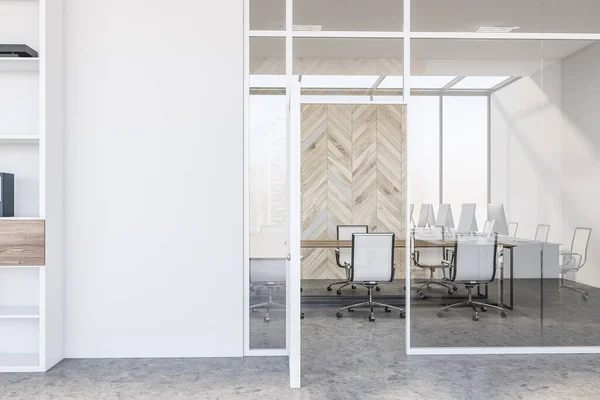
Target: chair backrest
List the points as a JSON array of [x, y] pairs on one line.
[[429, 256], [488, 227], [496, 213], [268, 270], [444, 216], [467, 222], [412, 211], [372, 257], [541, 233], [344, 232], [475, 258], [426, 216], [512, 229], [581, 240]]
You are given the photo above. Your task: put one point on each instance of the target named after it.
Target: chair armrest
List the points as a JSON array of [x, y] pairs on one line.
[[447, 263]]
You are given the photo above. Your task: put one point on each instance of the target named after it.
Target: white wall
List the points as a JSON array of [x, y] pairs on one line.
[[154, 178], [581, 154], [525, 151]]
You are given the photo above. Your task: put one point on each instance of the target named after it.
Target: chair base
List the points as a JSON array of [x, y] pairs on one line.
[[346, 283], [269, 305], [584, 293], [371, 304], [426, 285], [473, 304]]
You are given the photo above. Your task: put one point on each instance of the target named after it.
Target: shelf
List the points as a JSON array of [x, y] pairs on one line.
[[18, 312], [19, 139], [19, 362], [22, 64]]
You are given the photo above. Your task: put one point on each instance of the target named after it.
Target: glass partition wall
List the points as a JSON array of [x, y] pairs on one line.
[[500, 127]]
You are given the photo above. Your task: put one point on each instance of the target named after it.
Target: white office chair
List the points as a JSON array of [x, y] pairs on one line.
[[431, 258], [372, 262], [269, 273], [343, 256], [473, 263], [541, 233], [574, 259], [488, 228], [512, 229]]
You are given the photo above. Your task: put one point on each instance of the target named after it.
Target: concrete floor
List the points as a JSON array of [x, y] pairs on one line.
[[368, 365], [351, 358]]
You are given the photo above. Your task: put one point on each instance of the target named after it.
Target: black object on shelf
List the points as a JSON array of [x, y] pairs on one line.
[[7, 195], [17, 51]]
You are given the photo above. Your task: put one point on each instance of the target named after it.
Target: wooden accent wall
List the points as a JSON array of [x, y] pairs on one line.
[[22, 242], [353, 172]]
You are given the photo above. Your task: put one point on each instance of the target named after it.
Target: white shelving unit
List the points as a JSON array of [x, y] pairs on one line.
[[31, 147]]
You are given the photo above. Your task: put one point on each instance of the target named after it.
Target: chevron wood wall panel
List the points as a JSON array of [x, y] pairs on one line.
[[353, 172]]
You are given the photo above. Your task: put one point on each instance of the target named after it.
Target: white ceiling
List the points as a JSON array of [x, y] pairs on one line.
[[563, 16]]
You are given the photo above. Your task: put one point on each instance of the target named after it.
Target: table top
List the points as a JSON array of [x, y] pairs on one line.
[[345, 244]]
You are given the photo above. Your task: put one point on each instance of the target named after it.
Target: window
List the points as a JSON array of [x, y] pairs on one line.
[[465, 153]]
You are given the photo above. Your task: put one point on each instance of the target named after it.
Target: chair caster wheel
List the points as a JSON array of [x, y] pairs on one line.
[[402, 314], [450, 292], [423, 297], [440, 314], [377, 288], [301, 290], [503, 314], [387, 310], [584, 297], [329, 289], [267, 319], [475, 317], [483, 308], [353, 286], [339, 314], [302, 315], [254, 310], [371, 318], [351, 309], [455, 288], [339, 291]]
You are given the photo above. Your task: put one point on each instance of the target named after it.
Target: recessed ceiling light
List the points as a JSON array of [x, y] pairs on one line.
[[496, 29], [311, 28]]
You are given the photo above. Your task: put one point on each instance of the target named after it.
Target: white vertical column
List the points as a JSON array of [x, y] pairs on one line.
[[406, 91], [293, 145]]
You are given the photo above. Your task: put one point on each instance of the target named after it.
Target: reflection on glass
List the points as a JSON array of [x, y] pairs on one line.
[[267, 152]]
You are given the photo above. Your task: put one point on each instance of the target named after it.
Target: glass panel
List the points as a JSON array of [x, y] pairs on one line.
[[465, 137], [480, 82], [424, 165], [348, 151], [523, 16], [267, 194], [570, 162], [349, 67], [267, 15], [348, 15]]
